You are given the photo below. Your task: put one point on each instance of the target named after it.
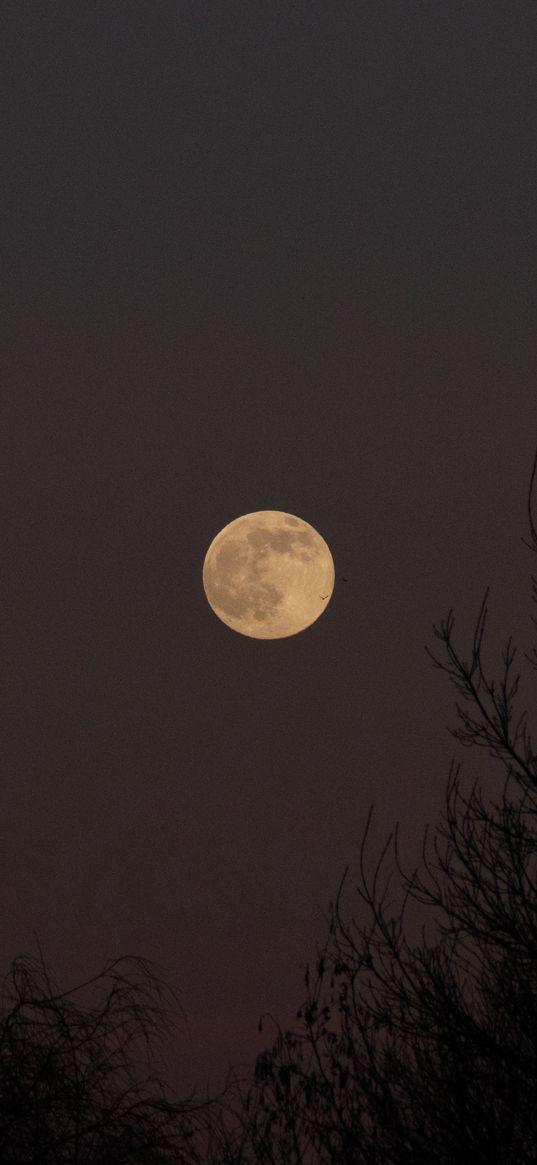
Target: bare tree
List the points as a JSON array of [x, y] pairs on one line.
[[77, 1081], [428, 1052]]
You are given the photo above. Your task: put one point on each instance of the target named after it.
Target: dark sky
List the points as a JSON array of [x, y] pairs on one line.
[[257, 255]]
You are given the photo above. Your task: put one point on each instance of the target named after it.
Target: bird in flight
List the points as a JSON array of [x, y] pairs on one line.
[[323, 596]]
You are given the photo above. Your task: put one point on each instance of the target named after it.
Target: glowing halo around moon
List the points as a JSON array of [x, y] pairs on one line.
[[268, 575]]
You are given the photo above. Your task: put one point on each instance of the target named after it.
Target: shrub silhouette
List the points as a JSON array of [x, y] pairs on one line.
[[77, 1081]]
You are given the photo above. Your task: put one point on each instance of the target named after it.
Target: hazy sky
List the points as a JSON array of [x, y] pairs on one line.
[[257, 255]]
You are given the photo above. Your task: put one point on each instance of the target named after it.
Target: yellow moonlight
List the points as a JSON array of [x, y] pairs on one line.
[[268, 575]]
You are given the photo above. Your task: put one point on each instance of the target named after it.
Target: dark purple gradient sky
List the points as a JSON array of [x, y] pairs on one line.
[[256, 255]]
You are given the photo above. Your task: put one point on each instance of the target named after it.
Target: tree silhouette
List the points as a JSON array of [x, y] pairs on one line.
[[77, 1081], [427, 1052]]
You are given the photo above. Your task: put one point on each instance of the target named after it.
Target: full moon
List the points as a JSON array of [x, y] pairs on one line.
[[268, 575]]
